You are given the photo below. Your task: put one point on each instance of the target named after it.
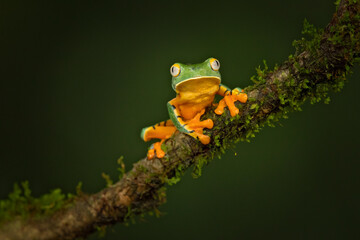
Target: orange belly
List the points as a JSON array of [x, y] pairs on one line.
[[195, 95], [189, 110]]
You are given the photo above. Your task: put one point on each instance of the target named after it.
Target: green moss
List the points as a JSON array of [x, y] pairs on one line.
[[177, 174], [129, 217], [107, 178], [78, 189], [173, 180], [21, 204], [261, 74], [101, 231], [141, 168], [121, 167], [200, 162], [121, 170]]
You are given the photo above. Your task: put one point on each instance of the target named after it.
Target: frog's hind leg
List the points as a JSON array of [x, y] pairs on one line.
[[162, 130]]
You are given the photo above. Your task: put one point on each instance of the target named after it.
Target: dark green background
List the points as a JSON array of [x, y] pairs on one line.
[[80, 80]]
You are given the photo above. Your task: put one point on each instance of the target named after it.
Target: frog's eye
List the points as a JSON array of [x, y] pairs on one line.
[[215, 64], [175, 70]]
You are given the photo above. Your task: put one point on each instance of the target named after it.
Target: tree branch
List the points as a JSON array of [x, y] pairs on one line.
[[318, 66]]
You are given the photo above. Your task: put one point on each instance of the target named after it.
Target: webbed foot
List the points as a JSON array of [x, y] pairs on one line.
[[155, 149], [196, 127], [229, 99]]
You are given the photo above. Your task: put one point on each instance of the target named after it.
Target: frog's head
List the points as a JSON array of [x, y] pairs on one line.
[[190, 75]]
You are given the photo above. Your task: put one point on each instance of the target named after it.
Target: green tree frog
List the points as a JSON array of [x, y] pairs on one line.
[[196, 86]]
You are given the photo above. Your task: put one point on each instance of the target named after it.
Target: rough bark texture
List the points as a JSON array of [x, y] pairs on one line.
[[308, 74]]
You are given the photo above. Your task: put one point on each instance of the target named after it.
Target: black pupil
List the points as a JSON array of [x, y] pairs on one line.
[[216, 63], [173, 70]]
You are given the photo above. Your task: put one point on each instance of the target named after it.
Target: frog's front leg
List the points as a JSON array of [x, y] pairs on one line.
[[230, 96], [193, 127]]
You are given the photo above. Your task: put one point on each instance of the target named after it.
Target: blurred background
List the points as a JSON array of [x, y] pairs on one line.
[[80, 80]]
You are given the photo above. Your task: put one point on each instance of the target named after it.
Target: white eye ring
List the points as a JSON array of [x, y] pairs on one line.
[[175, 70], [215, 64]]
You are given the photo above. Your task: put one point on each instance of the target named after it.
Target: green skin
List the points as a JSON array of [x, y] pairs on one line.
[[189, 71]]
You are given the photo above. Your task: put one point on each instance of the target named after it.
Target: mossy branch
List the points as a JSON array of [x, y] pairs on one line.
[[318, 65]]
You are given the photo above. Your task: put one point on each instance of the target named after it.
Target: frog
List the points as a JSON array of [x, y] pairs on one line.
[[196, 86]]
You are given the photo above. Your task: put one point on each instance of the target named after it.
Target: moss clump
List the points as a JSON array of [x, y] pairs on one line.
[[107, 178], [23, 205], [121, 169]]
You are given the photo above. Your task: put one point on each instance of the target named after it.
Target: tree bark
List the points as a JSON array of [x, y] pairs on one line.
[[319, 65]]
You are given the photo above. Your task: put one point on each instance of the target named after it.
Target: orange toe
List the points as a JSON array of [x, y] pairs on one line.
[[208, 123], [151, 154], [220, 108], [242, 97], [230, 99], [204, 139], [159, 152], [156, 150]]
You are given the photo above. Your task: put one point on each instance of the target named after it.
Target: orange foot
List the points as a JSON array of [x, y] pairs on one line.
[[196, 127], [229, 99], [155, 149]]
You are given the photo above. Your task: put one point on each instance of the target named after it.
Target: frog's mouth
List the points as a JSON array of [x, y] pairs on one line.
[[198, 84]]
